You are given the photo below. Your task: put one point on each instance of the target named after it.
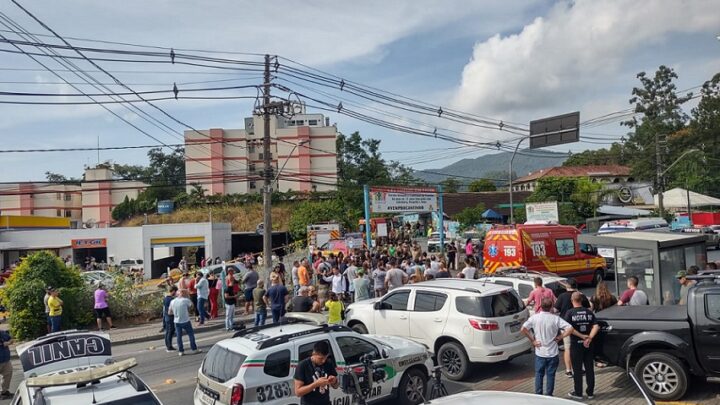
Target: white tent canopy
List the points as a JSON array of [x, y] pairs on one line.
[[678, 198]]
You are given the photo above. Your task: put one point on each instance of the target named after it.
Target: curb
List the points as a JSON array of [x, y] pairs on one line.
[[157, 336]]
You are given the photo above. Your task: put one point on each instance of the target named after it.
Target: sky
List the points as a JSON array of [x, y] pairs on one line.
[[506, 61]]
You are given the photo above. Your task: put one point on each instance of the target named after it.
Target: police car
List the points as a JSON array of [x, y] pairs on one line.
[[257, 365], [77, 368]]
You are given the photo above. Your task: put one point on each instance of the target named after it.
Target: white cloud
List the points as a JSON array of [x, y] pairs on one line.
[[570, 56]]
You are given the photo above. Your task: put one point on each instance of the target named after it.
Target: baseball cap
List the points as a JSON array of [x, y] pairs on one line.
[[681, 274], [49, 288]]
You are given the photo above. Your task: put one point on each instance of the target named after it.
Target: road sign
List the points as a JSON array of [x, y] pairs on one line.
[[556, 130], [403, 199]]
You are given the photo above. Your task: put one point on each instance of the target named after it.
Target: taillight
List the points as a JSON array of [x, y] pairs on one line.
[[237, 394], [484, 325]]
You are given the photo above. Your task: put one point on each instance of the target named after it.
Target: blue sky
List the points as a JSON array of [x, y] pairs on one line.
[[512, 61]]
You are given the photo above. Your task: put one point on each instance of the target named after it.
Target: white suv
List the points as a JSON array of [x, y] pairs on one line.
[[257, 365], [524, 281], [461, 321]]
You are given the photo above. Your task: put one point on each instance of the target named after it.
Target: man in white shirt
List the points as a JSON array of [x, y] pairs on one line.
[[545, 330], [351, 274], [338, 282], [295, 278], [469, 270]]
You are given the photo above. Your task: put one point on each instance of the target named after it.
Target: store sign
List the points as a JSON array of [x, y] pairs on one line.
[[401, 199], [625, 195], [63, 351], [89, 243], [542, 212]]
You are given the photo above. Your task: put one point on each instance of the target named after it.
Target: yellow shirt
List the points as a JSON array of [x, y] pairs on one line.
[[335, 309], [55, 305]]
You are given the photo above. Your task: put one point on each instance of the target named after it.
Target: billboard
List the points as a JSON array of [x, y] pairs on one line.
[[556, 130], [403, 199], [543, 212]]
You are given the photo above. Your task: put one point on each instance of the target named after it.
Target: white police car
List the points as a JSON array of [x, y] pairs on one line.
[[257, 365], [76, 368]]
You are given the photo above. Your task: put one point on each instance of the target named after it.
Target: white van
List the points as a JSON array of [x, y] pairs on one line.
[[629, 225]]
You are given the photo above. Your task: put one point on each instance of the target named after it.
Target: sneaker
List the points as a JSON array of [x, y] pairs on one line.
[[568, 374], [115, 327], [172, 349], [197, 351], [591, 396], [574, 396], [181, 354]]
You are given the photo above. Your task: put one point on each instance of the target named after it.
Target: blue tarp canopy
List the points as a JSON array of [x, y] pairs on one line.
[[490, 214]]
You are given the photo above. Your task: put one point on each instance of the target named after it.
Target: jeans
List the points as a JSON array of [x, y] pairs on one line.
[[229, 316], [277, 313], [169, 325], [545, 366], [187, 327], [55, 323], [296, 289], [582, 357], [260, 317], [201, 309]]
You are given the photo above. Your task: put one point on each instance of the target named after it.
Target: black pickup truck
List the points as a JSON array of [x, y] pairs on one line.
[[666, 345]]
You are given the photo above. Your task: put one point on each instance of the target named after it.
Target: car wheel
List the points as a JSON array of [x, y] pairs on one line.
[[598, 277], [359, 328], [663, 375], [411, 390], [454, 361]]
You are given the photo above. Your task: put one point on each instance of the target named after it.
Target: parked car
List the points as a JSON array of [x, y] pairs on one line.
[[76, 378], [256, 365], [551, 248], [712, 238], [132, 266], [95, 277], [523, 281], [216, 269], [433, 243], [461, 321], [668, 345]]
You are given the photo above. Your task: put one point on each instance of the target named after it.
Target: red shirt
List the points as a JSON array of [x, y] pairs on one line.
[[536, 296], [191, 287]]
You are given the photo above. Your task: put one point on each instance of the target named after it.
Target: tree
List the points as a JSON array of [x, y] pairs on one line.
[[60, 178], [704, 175], [313, 212], [482, 185], [470, 216], [615, 155], [24, 290], [578, 198], [662, 116], [450, 185]]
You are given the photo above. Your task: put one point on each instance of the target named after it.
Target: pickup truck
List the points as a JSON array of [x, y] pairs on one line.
[[666, 346]]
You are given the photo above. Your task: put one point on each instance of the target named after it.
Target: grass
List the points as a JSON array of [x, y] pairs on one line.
[[243, 218]]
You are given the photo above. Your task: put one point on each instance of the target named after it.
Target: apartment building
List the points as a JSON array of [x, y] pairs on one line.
[[231, 161]]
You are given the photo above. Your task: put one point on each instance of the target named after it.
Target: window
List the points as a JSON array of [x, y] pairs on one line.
[[252, 185], [299, 123], [503, 282], [68, 197], [221, 364], [565, 247], [639, 263], [252, 167], [353, 348], [58, 213], [397, 301], [278, 364], [251, 148], [58, 196], [525, 290], [68, 213], [712, 306], [261, 156], [312, 122], [429, 302], [304, 351], [491, 306]]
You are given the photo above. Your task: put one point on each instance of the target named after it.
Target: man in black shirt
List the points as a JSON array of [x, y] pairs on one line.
[[315, 375], [302, 302], [581, 349], [562, 305]]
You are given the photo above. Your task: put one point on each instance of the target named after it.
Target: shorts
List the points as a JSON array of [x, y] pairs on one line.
[[566, 343], [248, 294], [101, 313]]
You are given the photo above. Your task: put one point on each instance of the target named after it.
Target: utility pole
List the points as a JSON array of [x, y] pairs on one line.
[[659, 172], [267, 173]]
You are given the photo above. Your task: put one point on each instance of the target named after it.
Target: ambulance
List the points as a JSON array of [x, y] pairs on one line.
[[545, 248]]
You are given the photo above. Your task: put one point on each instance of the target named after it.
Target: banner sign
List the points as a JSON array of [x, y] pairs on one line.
[[64, 350], [89, 243], [543, 212], [402, 199]]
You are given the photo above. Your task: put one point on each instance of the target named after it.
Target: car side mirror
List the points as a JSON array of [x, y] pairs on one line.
[[378, 305], [385, 353]]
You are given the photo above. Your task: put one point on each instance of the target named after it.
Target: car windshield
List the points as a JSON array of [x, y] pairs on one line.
[[144, 399], [490, 306], [221, 364]]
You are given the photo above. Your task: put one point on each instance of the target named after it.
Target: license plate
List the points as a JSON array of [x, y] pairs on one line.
[[515, 327], [206, 399]]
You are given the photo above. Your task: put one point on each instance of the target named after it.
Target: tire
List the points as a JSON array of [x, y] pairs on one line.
[[598, 276], [413, 387], [454, 361], [663, 375], [359, 328]]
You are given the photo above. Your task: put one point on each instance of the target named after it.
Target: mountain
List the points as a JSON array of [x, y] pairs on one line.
[[494, 166]]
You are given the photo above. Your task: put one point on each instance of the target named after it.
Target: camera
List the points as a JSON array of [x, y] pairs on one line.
[[358, 380]]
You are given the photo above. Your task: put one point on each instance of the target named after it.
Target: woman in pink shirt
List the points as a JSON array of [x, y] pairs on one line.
[[102, 310], [469, 248], [536, 296]]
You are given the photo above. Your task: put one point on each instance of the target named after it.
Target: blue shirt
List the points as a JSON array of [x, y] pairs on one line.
[[166, 304], [4, 350], [277, 295]]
